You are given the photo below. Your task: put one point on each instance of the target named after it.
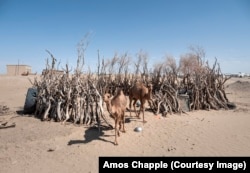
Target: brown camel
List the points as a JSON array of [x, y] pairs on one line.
[[140, 92], [116, 107]]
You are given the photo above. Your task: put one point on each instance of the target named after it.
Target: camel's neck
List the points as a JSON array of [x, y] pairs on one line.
[[109, 107], [110, 111], [149, 94]]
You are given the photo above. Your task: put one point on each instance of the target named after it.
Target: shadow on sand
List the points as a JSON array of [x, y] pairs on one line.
[[91, 134]]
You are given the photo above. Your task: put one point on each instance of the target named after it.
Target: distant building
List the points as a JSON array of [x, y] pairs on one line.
[[18, 69], [56, 72]]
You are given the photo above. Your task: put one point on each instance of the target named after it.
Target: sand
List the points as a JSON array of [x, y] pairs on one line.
[[36, 146]]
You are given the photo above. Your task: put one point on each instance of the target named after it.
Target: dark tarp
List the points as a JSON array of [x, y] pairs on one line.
[[30, 101]]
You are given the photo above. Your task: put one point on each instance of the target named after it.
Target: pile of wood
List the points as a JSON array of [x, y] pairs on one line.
[[203, 89], [68, 97], [77, 97]]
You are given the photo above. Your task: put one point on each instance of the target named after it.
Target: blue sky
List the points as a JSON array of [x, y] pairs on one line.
[[158, 27]]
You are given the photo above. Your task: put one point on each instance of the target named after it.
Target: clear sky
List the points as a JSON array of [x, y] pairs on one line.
[[158, 27]]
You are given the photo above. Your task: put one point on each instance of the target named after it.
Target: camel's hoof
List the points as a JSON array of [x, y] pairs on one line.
[[116, 143], [144, 121], [123, 131]]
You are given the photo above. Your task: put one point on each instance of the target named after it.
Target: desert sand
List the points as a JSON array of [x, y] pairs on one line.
[[37, 146]]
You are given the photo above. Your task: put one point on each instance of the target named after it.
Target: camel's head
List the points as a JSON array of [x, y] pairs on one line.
[[150, 87], [119, 91], [106, 97]]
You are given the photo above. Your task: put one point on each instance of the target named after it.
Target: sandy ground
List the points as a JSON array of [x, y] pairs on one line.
[[36, 146]]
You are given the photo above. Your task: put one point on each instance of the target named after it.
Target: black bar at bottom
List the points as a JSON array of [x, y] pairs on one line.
[[174, 164]]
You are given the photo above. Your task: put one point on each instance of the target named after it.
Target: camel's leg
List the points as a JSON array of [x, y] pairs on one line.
[[116, 131], [122, 122], [120, 125], [137, 114], [143, 110], [130, 101]]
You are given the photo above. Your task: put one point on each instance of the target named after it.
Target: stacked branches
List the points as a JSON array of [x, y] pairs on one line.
[[77, 97], [193, 79], [166, 86], [63, 97], [114, 74], [203, 84]]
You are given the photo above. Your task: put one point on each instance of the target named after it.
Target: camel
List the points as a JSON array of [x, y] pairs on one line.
[[140, 92], [116, 107]]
